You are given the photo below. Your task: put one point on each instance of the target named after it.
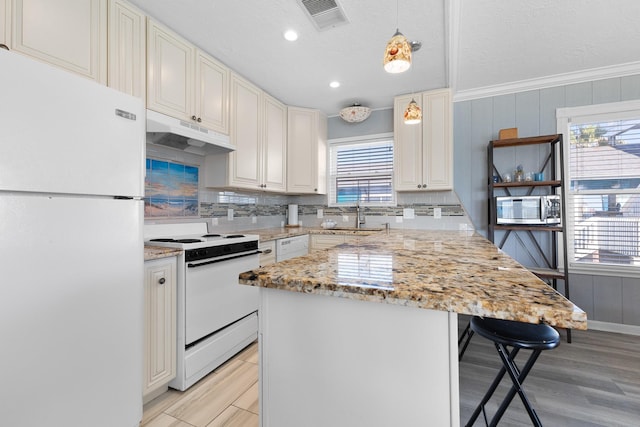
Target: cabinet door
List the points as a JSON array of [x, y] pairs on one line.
[[70, 34], [274, 145], [212, 93], [160, 323], [127, 49], [306, 151], [437, 140], [325, 241], [244, 163], [170, 75], [5, 22], [408, 160]]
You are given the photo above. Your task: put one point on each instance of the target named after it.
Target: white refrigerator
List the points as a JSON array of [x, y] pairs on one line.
[[71, 249]]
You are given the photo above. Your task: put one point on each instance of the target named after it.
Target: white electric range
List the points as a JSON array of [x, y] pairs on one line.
[[217, 317]]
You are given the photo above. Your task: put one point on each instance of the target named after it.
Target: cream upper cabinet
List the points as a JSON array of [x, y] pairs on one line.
[[258, 131], [159, 325], [170, 72], [423, 153], [5, 22], [127, 48], [246, 115], [70, 34], [274, 145], [212, 93], [306, 151], [184, 82]]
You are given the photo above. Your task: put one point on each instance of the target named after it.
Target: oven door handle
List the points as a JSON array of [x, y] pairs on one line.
[[202, 264]]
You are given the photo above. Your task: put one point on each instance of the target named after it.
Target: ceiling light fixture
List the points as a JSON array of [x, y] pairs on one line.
[[355, 113], [291, 35], [413, 113], [334, 84], [397, 54]]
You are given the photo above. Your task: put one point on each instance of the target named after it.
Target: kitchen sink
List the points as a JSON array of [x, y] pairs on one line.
[[356, 229]]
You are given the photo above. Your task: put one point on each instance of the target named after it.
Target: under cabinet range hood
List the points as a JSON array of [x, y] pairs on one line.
[[182, 135]]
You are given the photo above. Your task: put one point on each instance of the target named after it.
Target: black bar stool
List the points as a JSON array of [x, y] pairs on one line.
[[518, 335]]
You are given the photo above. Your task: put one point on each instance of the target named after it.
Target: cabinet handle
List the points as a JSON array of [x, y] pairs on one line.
[[315, 189], [267, 251], [424, 185], [199, 120], [419, 186], [161, 280]]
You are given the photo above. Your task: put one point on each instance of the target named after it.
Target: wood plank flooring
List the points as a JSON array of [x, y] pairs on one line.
[[592, 382]]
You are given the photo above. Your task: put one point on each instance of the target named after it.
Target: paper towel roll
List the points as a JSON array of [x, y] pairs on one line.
[[293, 214]]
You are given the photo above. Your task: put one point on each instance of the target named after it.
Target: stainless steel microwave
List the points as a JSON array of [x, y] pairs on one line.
[[543, 210]]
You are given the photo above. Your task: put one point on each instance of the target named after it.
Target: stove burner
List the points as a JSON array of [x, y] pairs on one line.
[[233, 236], [211, 235], [176, 240]]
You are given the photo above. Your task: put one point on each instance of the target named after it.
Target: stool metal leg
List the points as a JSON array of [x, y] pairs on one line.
[[517, 378], [489, 393], [467, 333]]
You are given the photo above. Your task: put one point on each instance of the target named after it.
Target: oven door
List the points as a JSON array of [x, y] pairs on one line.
[[213, 297]]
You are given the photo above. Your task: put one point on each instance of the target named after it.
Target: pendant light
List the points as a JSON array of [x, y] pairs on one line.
[[413, 113], [397, 54]]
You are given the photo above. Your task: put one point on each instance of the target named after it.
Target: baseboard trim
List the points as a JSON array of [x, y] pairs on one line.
[[613, 327]]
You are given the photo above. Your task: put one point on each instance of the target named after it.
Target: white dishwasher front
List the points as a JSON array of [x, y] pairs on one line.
[[291, 247]]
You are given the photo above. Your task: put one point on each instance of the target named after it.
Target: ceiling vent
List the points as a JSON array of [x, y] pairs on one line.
[[324, 13]]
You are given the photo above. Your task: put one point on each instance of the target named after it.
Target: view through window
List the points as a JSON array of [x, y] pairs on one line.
[[603, 196]]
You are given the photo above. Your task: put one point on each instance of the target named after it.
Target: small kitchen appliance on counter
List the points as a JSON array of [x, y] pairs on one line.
[[216, 316]]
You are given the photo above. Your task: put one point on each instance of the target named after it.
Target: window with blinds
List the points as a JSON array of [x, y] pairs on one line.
[[604, 190], [361, 172]]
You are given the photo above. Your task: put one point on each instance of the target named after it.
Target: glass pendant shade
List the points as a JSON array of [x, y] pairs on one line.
[[397, 55], [413, 113]]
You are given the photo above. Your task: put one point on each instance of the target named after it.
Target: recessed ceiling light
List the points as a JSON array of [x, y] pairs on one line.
[[334, 84], [291, 35]]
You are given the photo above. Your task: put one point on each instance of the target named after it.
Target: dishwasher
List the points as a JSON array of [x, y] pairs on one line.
[[291, 247]]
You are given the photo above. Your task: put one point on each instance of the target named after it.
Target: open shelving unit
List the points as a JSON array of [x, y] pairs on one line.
[[551, 257]]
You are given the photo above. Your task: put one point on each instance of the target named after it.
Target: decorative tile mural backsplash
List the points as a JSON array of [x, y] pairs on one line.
[[171, 190]]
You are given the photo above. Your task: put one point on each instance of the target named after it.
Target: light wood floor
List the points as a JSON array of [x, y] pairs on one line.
[[592, 382]]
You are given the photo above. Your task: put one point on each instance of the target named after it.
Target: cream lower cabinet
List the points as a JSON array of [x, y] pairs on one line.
[[306, 151], [259, 132], [159, 326], [127, 49], [267, 252], [423, 154], [70, 34], [326, 241], [184, 82]]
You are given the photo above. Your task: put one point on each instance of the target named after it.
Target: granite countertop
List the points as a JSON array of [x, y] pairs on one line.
[[267, 234], [156, 252], [452, 271]]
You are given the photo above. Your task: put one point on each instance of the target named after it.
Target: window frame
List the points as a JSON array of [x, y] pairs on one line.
[[565, 118], [363, 139]]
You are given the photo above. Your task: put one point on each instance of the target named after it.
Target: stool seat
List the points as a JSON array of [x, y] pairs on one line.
[[516, 334]]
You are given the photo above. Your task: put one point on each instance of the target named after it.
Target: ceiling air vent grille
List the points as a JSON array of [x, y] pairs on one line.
[[324, 13]]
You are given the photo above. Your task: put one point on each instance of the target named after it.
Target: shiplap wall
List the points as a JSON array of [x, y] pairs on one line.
[[476, 122]]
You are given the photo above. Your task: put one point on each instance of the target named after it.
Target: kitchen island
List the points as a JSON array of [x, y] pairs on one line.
[[366, 333]]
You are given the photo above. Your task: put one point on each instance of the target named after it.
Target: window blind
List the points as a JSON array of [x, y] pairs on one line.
[[604, 192], [361, 173]]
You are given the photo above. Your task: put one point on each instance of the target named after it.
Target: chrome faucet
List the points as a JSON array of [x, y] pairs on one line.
[[360, 220]]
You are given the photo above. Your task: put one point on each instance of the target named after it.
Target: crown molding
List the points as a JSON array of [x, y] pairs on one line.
[[593, 74]]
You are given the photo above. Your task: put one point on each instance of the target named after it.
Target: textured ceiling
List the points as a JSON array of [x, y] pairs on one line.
[[465, 44]]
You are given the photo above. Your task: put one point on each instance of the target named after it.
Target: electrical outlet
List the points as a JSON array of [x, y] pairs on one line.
[[254, 220], [398, 219], [320, 213], [214, 221], [437, 213], [345, 218], [408, 213], [230, 214]]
